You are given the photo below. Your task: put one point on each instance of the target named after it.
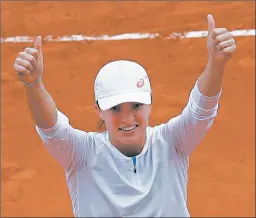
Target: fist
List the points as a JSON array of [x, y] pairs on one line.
[[220, 44], [29, 63]]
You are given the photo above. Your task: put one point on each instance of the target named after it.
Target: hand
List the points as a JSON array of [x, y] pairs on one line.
[[220, 43], [29, 63]]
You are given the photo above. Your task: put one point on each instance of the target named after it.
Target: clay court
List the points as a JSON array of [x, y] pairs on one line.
[[221, 175]]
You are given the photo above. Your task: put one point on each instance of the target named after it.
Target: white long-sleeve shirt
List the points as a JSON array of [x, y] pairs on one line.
[[101, 180]]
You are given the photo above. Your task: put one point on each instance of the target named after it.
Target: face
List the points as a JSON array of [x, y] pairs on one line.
[[126, 124]]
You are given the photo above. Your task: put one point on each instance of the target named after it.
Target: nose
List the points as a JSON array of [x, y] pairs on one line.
[[127, 117]]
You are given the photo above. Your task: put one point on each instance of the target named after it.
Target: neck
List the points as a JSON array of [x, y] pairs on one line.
[[131, 153]]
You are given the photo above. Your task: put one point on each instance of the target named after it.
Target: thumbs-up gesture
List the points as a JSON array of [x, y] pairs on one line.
[[29, 63], [220, 43]]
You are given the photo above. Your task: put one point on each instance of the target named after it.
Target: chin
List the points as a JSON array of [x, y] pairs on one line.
[[132, 140]]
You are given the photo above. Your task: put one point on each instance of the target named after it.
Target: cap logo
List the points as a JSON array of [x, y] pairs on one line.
[[140, 83]]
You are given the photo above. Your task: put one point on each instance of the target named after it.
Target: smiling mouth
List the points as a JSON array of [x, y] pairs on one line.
[[128, 129]]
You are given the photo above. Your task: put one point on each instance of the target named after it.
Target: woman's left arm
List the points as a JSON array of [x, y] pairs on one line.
[[220, 45], [189, 128]]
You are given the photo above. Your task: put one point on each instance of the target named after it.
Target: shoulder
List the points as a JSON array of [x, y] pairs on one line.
[[159, 130], [163, 133], [156, 132], [91, 137], [96, 137]]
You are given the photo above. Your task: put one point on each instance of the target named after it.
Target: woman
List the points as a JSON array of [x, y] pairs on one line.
[[131, 169]]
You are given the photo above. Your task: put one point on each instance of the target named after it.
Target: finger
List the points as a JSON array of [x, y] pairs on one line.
[[20, 70], [218, 31], [38, 44], [224, 37], [24, 63], [211, 25], [229, 49], [27, 57], [225, 44], [32, 51]]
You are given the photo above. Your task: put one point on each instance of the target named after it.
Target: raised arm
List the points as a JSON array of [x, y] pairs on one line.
[[188, 129], [66, 144], [29, 68], [220, 45]]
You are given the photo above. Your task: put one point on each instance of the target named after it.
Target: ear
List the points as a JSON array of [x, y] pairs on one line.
[[150, 108], [98, 111]]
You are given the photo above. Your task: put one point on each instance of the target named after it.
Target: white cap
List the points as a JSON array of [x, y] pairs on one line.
[[121, 81]]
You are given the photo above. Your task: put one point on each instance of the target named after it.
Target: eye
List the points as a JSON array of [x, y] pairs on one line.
[[115, 108], [137, 106]]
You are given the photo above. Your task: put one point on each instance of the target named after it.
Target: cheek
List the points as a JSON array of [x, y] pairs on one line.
[[112, 122], [142, 118]]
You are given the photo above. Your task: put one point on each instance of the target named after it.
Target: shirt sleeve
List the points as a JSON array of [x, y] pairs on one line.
[[188, 129], [69, 146]]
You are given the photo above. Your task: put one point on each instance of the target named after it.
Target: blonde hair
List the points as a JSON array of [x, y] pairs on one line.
[[100, 124]]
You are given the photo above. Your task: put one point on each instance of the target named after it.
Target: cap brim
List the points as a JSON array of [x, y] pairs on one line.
[[111, 101]]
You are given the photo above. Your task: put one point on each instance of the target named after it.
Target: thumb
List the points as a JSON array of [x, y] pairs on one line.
[[38, 44], [211, 25]]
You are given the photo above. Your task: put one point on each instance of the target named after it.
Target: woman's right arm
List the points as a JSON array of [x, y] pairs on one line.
[[67, 145], [41, 106], [29, 68]]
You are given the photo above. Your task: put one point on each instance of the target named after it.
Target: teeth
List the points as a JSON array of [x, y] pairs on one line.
[[128, 128]]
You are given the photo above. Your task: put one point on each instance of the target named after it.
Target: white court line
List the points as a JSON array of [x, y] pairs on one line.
[[126, 36]]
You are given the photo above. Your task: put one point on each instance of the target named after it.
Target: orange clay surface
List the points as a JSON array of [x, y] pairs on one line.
[[221, 175]]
